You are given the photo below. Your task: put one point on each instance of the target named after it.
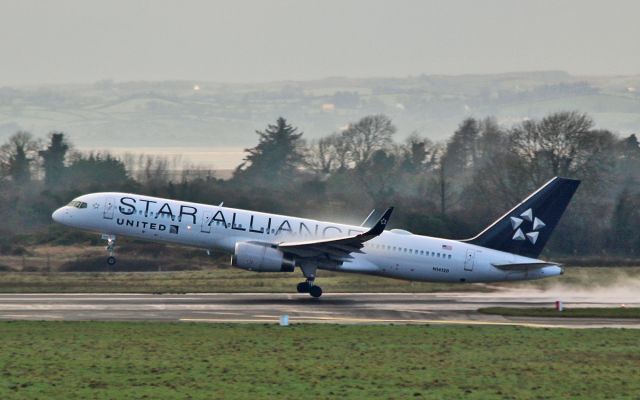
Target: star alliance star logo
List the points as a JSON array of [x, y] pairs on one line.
[[531, 236]]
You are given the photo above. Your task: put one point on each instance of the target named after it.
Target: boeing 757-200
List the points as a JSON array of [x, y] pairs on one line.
[[506, 250]]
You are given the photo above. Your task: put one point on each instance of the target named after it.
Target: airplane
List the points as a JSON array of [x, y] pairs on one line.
[[507, 250]]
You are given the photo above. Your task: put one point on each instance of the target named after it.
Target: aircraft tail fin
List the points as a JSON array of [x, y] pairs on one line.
[[526, 228]]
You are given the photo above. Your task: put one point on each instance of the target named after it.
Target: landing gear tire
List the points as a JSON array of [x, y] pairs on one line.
[[111, 246], [315, 291], [303, 287]]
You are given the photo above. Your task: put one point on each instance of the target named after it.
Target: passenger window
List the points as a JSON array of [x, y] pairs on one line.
[[449, 256]]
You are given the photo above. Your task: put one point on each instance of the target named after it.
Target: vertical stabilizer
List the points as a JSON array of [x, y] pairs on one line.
[[526, 228]]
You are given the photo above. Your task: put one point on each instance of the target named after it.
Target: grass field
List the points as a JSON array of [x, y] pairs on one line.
[[225, 280], [617, 312], [154, 268], [63, 360], [238, 280]]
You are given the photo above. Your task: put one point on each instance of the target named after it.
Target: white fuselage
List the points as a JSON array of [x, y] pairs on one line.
[[395, 253]]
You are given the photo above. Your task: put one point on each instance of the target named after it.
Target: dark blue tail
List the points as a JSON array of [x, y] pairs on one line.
[[526, 228]]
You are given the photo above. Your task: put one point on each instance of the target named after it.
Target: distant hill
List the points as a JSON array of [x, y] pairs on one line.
[[208, 115]]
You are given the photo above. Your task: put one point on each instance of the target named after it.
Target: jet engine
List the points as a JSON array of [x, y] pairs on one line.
[[260, 258]]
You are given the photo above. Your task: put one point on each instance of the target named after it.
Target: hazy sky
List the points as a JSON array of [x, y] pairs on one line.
[[262, 40]]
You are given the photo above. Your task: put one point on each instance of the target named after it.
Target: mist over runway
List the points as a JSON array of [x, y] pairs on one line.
[[339, 308]]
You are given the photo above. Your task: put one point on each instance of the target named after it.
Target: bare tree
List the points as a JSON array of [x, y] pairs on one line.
[[562, 144], [322, 156], [342, 150], [17, 156], [369, 134]]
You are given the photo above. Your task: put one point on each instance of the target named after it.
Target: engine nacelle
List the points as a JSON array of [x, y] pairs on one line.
[[260, 258]]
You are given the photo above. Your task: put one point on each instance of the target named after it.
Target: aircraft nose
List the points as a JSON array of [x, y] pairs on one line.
[[58, 215]]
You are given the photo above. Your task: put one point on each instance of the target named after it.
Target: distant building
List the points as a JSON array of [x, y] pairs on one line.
[[328, 107]]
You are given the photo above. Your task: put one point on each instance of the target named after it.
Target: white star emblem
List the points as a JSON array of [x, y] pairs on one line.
[[519, 234]]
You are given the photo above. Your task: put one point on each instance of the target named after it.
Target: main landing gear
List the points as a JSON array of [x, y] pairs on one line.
[[308, 286], [111, 246]]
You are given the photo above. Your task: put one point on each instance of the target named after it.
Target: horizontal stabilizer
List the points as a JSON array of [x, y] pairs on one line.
[[524, 266]]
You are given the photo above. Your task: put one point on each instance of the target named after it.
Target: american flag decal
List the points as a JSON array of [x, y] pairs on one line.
[[447, 247]]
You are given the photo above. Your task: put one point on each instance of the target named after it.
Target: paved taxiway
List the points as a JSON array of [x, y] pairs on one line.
[[353, 308]]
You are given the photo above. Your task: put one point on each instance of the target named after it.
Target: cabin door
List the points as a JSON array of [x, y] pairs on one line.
[[205, 226], [109, 208], [469, 260]]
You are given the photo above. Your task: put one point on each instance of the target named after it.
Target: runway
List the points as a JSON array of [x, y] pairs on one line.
[[342, 308]]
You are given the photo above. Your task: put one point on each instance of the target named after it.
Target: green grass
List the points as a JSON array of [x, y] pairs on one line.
[[109, 360], [227, 279], [82, 269], [220, 280], [618, 312]]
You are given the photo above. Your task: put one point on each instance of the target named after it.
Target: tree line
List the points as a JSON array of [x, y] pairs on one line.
[[451, 188]]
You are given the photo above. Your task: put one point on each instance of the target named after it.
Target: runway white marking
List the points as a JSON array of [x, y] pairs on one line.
[[418, 311], [299, 310], [31, 316], [217, 312]]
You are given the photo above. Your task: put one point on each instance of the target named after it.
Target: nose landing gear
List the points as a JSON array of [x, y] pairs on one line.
[[111, 245]]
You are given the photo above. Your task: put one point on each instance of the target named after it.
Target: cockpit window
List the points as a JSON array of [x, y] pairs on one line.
[[77, 204]]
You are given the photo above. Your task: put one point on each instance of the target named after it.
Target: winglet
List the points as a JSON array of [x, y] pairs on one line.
[[379, 227], [369, 221]]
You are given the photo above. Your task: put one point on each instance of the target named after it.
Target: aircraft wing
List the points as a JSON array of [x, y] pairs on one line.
[[337, 249]]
